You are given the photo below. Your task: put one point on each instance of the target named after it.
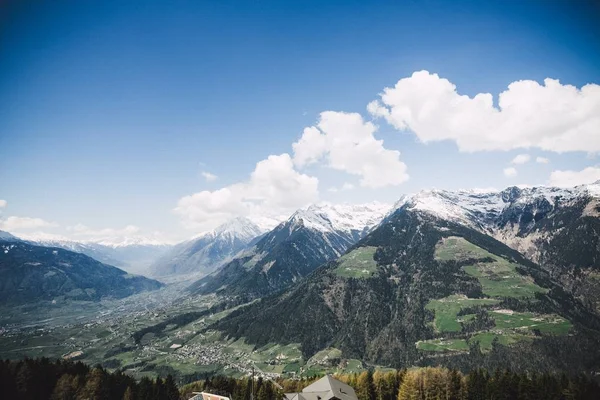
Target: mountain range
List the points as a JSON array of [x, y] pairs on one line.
[[557, 228], [505, 278], [432, 283], [206, 252], [33, 273], [309, 238]]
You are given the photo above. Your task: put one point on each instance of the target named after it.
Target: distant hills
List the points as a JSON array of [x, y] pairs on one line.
[[33, 273]]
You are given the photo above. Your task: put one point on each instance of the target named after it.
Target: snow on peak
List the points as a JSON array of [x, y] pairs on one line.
[[463, 207], [243, 228], [328, 217], [475, 207], [7, 236], [116, 242], [593, 189], [240, 227], [50, 239]]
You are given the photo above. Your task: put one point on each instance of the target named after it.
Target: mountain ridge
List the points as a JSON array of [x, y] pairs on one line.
[[32, 273], [308, 238], [374, 302], [207, 251]]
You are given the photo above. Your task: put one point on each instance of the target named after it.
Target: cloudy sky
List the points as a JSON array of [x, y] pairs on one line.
[[167, 118]]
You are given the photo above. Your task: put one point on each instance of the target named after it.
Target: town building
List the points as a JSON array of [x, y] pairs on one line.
[[208, 396], [326, 388]]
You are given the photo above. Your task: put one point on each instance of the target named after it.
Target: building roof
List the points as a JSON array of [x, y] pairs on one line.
[[208, 396], [325, 388]]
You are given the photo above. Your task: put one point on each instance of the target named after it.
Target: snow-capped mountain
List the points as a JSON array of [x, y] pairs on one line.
[[376, 301], [309, 238], [204, 253], [558, 228], [346, 218], [133, 255], [485, 210], [5, 236]]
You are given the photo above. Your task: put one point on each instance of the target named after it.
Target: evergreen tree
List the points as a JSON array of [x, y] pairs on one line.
[[128, 395], [66, 388], [455, 386], [24, 381], [477, 382], [159, 390], [262, 393], [145, 389], [171, 391], [95, 387]]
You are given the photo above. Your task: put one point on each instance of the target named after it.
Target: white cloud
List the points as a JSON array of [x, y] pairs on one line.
[[521, 159], [345, 142], [574, 178], [13, 224], [542, 160], [208, 176], [3, 203], [275, 188], [552, 116], [510, 171]]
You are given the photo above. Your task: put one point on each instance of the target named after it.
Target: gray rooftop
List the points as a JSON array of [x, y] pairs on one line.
[[325, 388]]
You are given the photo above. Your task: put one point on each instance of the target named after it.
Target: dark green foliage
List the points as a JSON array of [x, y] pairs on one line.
[[61, 380], [31, 273], [42, 379], [380, 319]]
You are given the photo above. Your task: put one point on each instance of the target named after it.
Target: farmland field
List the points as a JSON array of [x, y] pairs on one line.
[[446, 311], [359, 263]]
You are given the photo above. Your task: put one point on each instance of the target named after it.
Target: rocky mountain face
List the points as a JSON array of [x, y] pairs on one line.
[[309, 238], [33, 273], [557, 228], [427, 286], [208, 251]]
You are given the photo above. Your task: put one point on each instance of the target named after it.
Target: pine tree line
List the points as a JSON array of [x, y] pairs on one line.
[[431, 383], [42, 379]]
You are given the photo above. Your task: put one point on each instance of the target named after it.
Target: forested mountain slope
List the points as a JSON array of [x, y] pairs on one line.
[[31, 273], [416, 288]]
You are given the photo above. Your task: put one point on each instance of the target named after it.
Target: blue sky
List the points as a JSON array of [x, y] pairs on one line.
[[110, 110]]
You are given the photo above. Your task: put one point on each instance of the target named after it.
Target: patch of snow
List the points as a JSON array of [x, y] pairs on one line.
[[476, 208], [241, 228], [347, 218]]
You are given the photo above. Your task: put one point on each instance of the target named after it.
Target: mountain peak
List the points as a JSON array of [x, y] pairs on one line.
[[7, 236], [239, 227], [327, 217], [475, 208]]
